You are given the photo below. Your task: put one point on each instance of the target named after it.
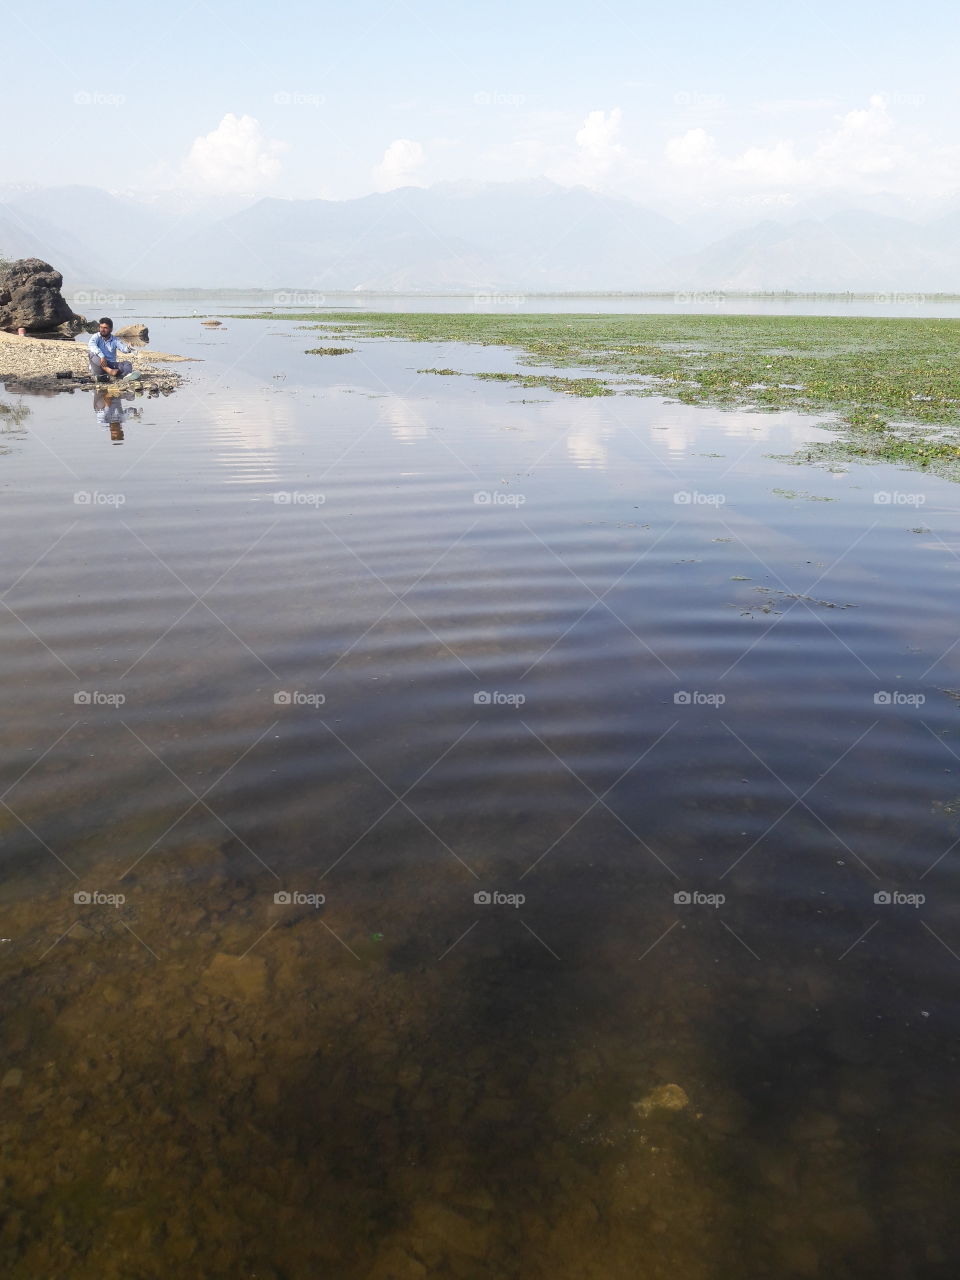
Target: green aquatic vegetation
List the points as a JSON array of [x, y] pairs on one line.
[[446, 373], [328, 351], [572, 386], [910, 448], [12, 418], [795, 595], [865, 420], [799, 493], [901, 449], [13, 415]]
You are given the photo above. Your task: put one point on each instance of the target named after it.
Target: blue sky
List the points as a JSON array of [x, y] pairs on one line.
[[692, 105]]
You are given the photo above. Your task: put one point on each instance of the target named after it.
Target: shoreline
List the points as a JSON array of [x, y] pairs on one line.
[[30, 365]]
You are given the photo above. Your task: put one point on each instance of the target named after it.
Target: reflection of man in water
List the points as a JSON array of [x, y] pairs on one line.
[[110, 411], [102, 349]]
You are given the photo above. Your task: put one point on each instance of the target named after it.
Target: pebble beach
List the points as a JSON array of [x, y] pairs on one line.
[[24, 358]]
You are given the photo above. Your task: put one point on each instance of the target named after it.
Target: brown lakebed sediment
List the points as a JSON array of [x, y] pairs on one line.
[[276, 1081], [32, 365]]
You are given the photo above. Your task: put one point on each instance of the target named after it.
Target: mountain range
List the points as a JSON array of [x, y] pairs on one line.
[[522, 237]]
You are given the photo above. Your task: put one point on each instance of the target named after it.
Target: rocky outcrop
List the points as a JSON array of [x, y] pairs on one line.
[[134, 333], [30, 299]]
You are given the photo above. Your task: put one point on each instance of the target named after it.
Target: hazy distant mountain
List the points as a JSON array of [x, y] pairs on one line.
[[498, 236], [115, 239], [852, 250], [520, 237], [25, 235]]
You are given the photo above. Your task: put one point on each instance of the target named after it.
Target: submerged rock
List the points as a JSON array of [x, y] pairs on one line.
[[237, 977], [138, 332], [668, 1097]]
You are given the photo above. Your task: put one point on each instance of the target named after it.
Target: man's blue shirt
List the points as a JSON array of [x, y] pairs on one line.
[[106, 348]]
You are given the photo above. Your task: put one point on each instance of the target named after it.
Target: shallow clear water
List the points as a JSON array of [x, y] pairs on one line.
[[330, 627]]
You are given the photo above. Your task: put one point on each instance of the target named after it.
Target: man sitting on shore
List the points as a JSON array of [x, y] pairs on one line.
[[103, 348]]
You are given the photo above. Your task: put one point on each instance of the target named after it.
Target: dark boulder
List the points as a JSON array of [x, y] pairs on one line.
[[30, 299]]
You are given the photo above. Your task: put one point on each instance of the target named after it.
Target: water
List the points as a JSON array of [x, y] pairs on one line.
[[330, 627], [709, 302]]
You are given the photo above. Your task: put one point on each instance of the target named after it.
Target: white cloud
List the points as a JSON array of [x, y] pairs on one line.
[[865, 151], [778, 165], [236, 156], [864, 141], [597, 139], [597, 152], [692, 149], [399, 165]]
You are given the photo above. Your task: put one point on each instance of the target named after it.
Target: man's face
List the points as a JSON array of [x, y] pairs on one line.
[[106, 330]]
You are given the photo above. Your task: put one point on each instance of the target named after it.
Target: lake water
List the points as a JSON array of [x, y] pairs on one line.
[[709, 302], [624, 756]]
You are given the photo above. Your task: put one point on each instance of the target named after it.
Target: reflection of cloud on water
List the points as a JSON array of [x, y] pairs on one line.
[[587, 447], [585, 428], [691, 427], [746, 426], [590, 429], [678, 439], [250, 431], [405, 421]]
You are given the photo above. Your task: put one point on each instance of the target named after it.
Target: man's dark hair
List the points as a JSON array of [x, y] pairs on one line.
[[105, 320]]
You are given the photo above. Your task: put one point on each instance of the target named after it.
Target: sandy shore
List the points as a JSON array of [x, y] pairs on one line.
[[29, 358]]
